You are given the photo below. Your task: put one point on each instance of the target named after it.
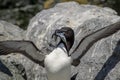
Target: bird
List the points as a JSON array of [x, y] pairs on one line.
[[58, 62]]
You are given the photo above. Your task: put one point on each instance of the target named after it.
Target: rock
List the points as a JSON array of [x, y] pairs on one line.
[[8, 70], [84, 19], [20, 16], [9, 31], [19, 11]]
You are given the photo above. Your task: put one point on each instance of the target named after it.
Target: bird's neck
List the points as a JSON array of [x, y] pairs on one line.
[[62, 46]]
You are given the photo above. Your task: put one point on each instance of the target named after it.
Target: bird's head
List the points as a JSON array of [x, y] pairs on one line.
[[66, 35]]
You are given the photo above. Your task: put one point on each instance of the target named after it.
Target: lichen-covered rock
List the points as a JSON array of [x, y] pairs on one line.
[[84, 19]]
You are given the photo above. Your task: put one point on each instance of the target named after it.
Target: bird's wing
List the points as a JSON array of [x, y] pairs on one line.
[[85, 44], [27, 48]]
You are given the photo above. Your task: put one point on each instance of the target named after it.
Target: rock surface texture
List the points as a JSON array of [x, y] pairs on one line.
[[99, 63], [19, 11], [9, 68]]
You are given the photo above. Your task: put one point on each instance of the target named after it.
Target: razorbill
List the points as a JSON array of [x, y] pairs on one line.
[[59, 61]]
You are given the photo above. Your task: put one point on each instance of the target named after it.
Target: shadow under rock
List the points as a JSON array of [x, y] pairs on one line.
[[4, 69], [74, 76], [110, 63]]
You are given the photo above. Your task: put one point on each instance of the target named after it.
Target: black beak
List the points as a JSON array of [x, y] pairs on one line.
[[54, 35], [59, 33]]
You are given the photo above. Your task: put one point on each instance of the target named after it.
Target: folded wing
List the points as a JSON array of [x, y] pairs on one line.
[[85, 44], [27, 48]]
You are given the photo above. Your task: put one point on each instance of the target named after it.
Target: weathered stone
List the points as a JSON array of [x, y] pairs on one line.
[[20, 11], [9, 31], [8, 70]]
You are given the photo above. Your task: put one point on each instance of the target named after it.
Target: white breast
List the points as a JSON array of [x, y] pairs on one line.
[[58, 65]]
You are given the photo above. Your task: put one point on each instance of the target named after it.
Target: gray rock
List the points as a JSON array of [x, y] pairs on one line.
[[84, 19], [9, 31], [20, 11], [8, 70], [20, 16]]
